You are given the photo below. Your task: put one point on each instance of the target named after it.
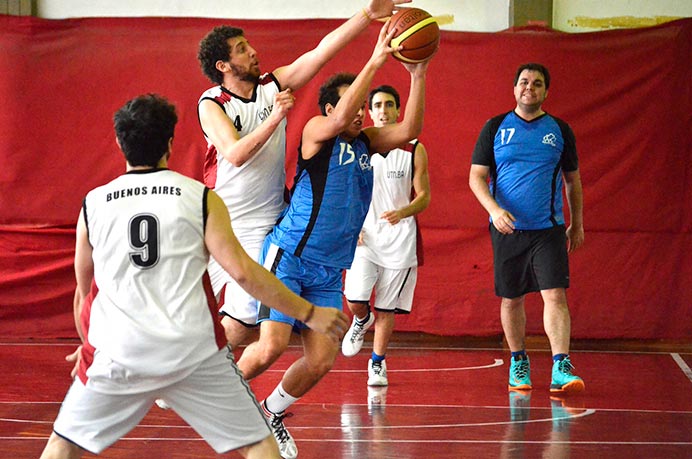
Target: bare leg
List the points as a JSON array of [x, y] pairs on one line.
[[384, 326], [260, 355], [318, 358], [237, 333], [359, 310], [513, 318], [556, 320], [266, 448], [59, 448]]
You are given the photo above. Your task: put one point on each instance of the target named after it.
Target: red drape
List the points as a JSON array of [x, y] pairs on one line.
[[626, 93]]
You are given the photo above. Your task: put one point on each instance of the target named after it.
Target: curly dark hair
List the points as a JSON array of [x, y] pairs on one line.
[[329, 91], [143, 127], [213, 48], [535, 68]]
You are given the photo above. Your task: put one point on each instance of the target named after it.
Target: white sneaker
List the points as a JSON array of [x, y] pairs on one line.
[[287, 445], [161, 403], [353, 340], [377, 373]]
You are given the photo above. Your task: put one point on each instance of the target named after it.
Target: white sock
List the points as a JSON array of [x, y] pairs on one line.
[[279, 400]]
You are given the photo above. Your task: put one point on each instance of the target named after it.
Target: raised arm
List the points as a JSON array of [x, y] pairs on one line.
[[297, 74], [321, 128], [392, 135], [260, 283]]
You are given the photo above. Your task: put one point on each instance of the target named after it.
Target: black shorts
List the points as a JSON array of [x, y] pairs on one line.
[[529, 261]]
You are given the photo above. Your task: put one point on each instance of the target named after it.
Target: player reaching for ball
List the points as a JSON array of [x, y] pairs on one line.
[[245, 159], [316, 237]]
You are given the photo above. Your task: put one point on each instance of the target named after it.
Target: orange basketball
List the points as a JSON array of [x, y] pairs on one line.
[[417, 31]]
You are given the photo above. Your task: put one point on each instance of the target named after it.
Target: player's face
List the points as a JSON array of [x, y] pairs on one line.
[[530, 89], [355, 127], [243, 59], [383, 109]]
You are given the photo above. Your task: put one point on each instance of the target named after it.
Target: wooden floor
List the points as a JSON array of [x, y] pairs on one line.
[[447, 398]]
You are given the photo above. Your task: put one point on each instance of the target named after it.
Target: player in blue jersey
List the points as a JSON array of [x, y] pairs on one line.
[[520, 164], [315, 240]]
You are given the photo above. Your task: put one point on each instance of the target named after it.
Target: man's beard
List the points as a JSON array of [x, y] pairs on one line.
[[244, 75]]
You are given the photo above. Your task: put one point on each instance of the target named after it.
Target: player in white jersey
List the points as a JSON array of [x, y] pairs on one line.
[[144, 308], [244, 122], [389, 249]]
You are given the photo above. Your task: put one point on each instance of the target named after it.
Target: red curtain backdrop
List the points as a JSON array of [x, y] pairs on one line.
[[626, 94]]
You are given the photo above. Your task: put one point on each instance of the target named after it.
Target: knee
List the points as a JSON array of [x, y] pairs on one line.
[[269, 350]]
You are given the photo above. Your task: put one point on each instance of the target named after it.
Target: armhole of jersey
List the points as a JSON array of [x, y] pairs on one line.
[[570, 145], [273, 78], [205, 208], [84, 214]]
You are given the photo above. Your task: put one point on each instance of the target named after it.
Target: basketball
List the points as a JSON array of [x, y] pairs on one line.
[[417, 31]]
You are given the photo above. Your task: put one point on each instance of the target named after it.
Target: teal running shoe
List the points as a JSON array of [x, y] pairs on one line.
[[563, 379], [519, 374]]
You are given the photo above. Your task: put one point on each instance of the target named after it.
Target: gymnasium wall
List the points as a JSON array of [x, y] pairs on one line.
[[626, 93]]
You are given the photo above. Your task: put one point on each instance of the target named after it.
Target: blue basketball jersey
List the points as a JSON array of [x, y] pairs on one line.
[[526, 160], [330, 198]]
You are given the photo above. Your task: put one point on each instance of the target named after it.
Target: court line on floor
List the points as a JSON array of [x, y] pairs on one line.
[[683, 365], [394, 347]]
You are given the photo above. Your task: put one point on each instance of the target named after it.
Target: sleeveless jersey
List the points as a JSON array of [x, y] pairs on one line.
[[151, 315], [253, 192], [526, 160], [329, 201], [391, 246]]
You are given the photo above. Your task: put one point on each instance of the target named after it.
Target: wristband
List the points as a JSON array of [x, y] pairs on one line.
[[365, 13], [310, 314]]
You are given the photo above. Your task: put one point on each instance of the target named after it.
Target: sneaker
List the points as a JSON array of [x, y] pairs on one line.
[[563, 379], [353, 340], [519, 405], [377, 373], [287, 445], [519, 374], [161, 403]]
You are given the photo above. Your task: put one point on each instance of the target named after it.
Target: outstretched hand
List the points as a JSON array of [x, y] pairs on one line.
[[383, 8], [330, 321], [382, 47], [419, 68]]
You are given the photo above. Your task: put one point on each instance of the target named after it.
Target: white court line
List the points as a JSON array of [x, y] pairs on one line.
[[683, 366], [497, 363], [394, 347]]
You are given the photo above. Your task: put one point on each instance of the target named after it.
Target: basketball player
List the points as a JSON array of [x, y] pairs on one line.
[[386, 257], [520, 164], [316, 238], [245, 160], [144, 307]]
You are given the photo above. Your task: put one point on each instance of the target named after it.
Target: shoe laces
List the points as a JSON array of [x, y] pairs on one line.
[[279, 428], [522, 369], [357, 331], [377, 368], [565, 366]]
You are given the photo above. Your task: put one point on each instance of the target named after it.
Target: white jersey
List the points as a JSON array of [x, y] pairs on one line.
[[253, 192], [391, 246], [151, 317]]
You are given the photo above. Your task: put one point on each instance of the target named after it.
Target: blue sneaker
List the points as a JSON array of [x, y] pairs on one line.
[[563, 379], [519, 374]]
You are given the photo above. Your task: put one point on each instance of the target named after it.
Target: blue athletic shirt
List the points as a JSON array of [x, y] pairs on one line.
[[329, 201], [526, 160]]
